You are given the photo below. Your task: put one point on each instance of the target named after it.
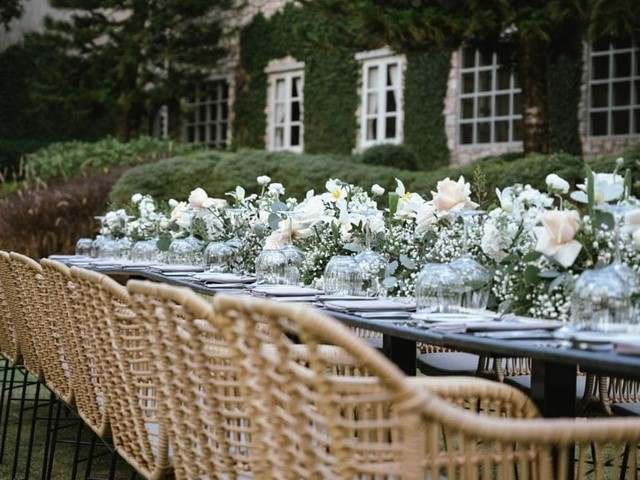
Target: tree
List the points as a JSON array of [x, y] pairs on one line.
[[10, 9], [519, 29], [135, 55]]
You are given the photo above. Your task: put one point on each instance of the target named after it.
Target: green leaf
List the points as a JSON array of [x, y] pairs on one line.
[[532, 275], [393, 203], [590, 192], [531, 257], [163, 243], [511, 258], [548, 274]]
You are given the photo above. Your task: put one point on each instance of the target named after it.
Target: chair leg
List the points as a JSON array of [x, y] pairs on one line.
[[76, 452], [89, 460], [16, 453], [9, 389], [32, 432], [5, 373], [50, 439]]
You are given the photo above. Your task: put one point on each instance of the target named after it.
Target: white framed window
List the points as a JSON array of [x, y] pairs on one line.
[[285, 105], [614, 88], [381, 106], [207, 117], [490, 110]]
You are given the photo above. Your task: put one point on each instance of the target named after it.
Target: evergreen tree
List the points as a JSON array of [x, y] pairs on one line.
[[10, 9], [133, 55], [519, 29]]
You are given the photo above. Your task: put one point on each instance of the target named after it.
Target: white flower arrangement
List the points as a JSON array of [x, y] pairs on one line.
[[536, 243]]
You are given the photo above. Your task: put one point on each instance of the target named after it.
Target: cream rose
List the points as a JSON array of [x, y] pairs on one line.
[[197, 198], [556, 236], [426, 217], [557, 183], [452, 195]]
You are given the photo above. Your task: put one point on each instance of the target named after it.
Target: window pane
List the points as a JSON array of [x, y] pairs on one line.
[[621, 122], [502, 131], [372, 127], [621, 93], [372, 103], [191, 116], [466, 133], [390, 128], [484, 106], [372, 79], [223, 135], [278, 115], [202, 113], [392, 74], [213, 134], [213, 112], [620, 43], [391, 101], [599, 123], [622, 64], [484, 132], [502, 105], [485, 81], [600, 67], [600, 95], [225, 111], [295, 111], [467, 108], [636, 121], [517, 104], [191, 134], [485, 59], [636, 86], [278, 138], [202, 133], [601, 44], [503, 79], [281, 91], [468, 82], [295, 135], [295, 87], [517, 130], [225, 90]]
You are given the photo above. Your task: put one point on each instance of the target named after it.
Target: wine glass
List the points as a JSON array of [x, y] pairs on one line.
[[437, 289], [147, 250], [474, 279], [295, 256], [342, 276], [83, 247], [185, 251], [271, 267], [373, 265], [218, 257], [100, 240], [234, 242], [601, 302]]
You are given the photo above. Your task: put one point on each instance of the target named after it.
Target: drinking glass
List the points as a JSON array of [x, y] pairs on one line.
[[373, 265], [474, 279], [601, 302], [145, 251], [218, 257], [438, 289], [343, 276], [185, 251], [83, 247], [271, 267], [295, 256]]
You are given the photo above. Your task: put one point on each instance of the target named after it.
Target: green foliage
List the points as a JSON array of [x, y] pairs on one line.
[[220, 172], [331, 77], [150, 57], [72, 159], [397, 156], [10, 9], [425, 89]]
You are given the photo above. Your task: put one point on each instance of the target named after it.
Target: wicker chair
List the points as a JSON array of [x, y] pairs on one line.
[[121, 399], [619, 396], [207, 423], [319, 425]]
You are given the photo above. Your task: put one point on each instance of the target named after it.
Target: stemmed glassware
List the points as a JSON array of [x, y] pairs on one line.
[[295, 256], [474, 279], [373, 265], [185, 251], [235, 242], [147, 250]]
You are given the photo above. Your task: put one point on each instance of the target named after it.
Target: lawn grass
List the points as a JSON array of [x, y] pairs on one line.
[[64, 448]]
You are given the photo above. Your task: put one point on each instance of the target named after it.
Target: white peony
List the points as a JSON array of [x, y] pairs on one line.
[[197, 198], [136, 197], [606, 188], [276, 189], [426, 217], [452, 195], [408, 202]]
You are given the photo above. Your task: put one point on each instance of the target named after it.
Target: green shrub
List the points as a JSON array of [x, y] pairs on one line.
[[11, 153], [70, 159], [398, 156]]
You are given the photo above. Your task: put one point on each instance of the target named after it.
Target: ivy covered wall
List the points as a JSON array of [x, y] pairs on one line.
[[332, 76]]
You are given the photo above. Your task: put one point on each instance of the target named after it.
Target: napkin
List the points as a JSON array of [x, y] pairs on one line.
[[371, 305], [218, 277], [628, 346], [284, 291], [176, 268]]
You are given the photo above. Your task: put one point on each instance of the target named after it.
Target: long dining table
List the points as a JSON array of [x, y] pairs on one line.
[[554, 363]]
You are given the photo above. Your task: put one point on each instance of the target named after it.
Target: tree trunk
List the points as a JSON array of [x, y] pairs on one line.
[[533, 82]]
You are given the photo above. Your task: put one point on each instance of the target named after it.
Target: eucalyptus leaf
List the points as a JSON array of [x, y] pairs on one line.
[[407, 262], [531, 257], [559, 280], [274, 221], [511, 258], [393, 266], [548, 274], [279, 207], [390, 282], [352, 247], [393, 203]]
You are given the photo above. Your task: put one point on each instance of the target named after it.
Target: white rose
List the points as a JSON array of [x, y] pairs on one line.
[[452, 195], [197, 198], [307, 214], [425, 217], [263, 180], [556, 183], [136, 197], [377, 190], [556, 236], [173, 203], [276, 189], [606, 187]]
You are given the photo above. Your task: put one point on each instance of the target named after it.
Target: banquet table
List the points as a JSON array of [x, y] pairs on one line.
[[554, 364]]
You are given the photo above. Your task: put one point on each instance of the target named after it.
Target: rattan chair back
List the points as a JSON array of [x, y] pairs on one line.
[[10, 310], [386, 426], [207, 423], [29, 287], [121, 360]]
